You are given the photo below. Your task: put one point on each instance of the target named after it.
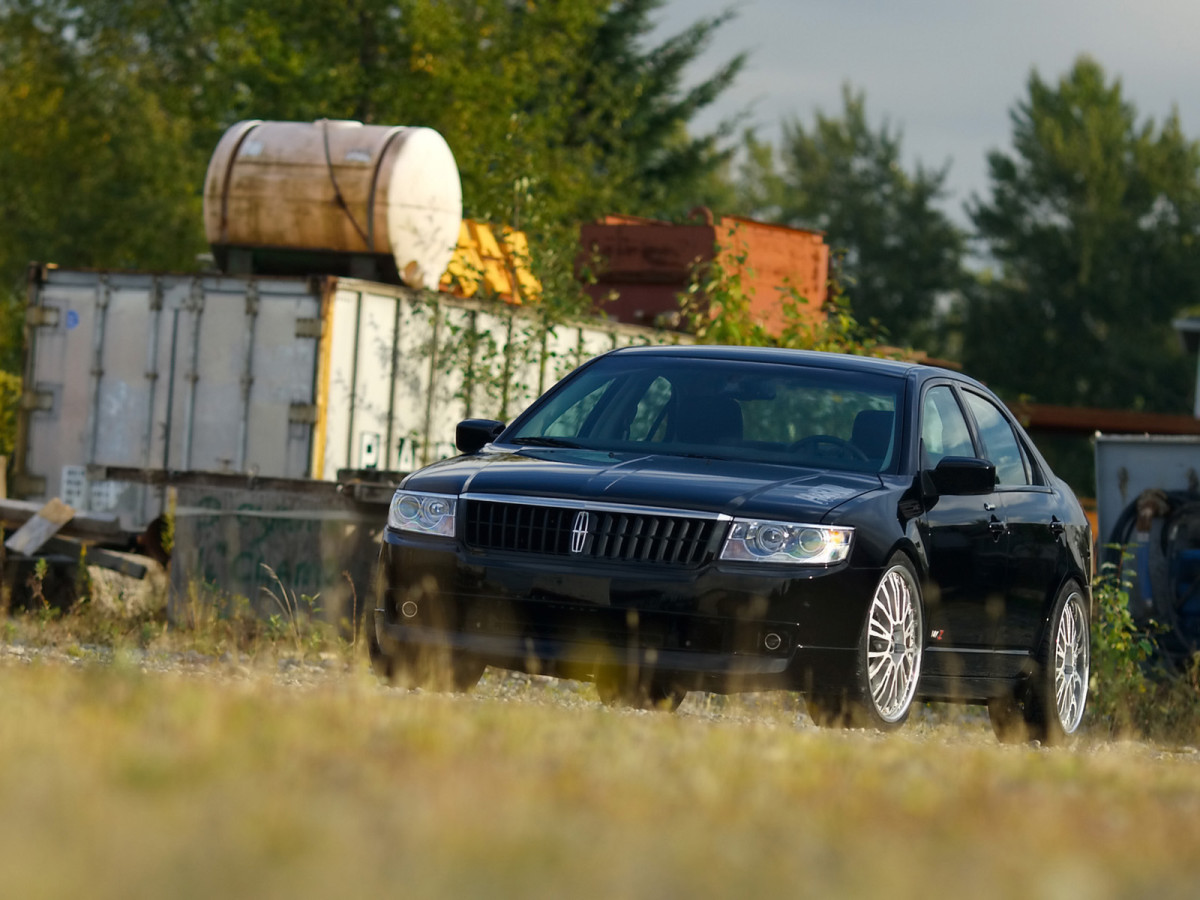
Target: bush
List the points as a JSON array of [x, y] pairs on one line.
[[1133, 691], [10, 397]]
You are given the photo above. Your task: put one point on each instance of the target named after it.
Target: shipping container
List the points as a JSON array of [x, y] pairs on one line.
[[269, 377]]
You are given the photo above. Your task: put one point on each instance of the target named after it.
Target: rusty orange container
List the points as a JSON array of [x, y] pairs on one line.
[[644, 265]]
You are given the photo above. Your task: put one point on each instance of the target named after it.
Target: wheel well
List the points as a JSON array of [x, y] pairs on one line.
[[1048, 607], [915, 557]]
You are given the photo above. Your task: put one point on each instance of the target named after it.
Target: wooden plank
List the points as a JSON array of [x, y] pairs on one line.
[[29, 538], [95, 556], [103, 527]]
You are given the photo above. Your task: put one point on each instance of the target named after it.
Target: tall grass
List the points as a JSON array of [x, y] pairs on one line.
[[1132, 694], [119, 780], [117, 783]]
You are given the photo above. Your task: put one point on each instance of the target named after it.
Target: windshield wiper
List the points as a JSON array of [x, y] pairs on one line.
[[544, 441]]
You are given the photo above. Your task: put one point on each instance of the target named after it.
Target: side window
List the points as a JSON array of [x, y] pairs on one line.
[[1000, 442], [944, 429]]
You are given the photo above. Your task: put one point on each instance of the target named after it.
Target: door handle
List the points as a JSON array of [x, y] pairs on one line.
[[997, 528], [989, 506], [1056, 526]]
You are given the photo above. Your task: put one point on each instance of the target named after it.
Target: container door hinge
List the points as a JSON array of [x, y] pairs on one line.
[[308, 328], [303, 413], [27, 486], [252, 299], [37, 400], [42, 316]]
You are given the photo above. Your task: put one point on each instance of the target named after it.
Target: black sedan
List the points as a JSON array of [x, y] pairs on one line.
[[868, 532]]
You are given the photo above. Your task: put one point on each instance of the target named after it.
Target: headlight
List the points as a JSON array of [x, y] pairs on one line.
[[784, 542], [423, 513]]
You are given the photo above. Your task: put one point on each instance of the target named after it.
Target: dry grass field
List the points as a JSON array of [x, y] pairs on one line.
[[135, 775]]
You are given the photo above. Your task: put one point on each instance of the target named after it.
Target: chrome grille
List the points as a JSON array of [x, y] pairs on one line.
[[618, 534]]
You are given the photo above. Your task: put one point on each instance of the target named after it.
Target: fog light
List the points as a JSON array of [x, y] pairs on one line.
[[408, 610], [772, 641]]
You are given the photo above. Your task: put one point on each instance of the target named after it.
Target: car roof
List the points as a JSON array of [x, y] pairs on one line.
[[785, 356]]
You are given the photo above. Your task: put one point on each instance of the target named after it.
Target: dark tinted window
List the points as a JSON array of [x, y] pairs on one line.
[[944, 430], [735, 410], [1000, 443]]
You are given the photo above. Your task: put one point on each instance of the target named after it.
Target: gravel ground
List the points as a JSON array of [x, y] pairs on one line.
[[775, 709], [943, 723]]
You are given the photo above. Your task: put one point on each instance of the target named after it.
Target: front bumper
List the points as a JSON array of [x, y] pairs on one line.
[[715, 627]]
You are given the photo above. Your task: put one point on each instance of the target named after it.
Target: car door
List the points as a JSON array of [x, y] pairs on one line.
[[967, 546], [1033, 530]]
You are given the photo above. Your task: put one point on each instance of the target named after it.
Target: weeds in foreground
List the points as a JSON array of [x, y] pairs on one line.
[[1133, 693], [204, 620]]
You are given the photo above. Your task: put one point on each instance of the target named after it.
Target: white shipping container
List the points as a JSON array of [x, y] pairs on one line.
[[266, 376]]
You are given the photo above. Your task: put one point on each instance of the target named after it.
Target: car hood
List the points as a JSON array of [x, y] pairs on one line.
[[713, 485]]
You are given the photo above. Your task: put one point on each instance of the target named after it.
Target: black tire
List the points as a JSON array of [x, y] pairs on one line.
[[888, 666], [436, 669], [1049, 706], [1008, 719], [829, 710], [619, 687], [382, 664], [412, 666]]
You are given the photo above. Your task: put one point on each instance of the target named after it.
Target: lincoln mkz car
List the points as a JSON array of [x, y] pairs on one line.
[[868, 532]]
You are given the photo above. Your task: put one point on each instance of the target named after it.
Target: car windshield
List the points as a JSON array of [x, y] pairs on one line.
[[725, 409]]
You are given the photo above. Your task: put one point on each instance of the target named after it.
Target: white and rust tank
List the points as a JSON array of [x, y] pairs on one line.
[[333, 197]]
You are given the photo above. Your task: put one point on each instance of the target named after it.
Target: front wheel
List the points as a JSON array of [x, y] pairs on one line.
[[890, 650], [433, 668]]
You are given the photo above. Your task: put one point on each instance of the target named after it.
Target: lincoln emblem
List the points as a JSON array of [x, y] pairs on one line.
[[579, 531]]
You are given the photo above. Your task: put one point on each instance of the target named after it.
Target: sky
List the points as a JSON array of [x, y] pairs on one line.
[[945, 72]]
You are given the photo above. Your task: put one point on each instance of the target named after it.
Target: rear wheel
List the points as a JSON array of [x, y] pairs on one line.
[[1049, 707], [890, 649]]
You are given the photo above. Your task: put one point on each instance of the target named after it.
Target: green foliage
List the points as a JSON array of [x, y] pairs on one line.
[[10, 398], [716, 307], [716, 304], [1131, 692], [97, 171], [1120, 653], [898, 252], [557, 112], [1091, 222]]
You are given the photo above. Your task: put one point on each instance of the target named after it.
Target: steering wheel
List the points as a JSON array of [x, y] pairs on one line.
[[841, 447]]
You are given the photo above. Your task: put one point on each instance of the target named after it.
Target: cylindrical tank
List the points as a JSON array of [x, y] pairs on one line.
[[333, 197]]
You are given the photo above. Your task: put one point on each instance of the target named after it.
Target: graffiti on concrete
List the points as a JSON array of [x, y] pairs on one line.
[[252, 544]]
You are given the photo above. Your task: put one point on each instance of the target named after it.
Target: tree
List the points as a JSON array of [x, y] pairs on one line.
[[899, 253], [563, 97], [96, 171], [556, 112], [1092, 224]]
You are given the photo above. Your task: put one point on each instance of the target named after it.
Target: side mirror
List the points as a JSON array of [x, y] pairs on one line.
[[963, 475], [472, 434]]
